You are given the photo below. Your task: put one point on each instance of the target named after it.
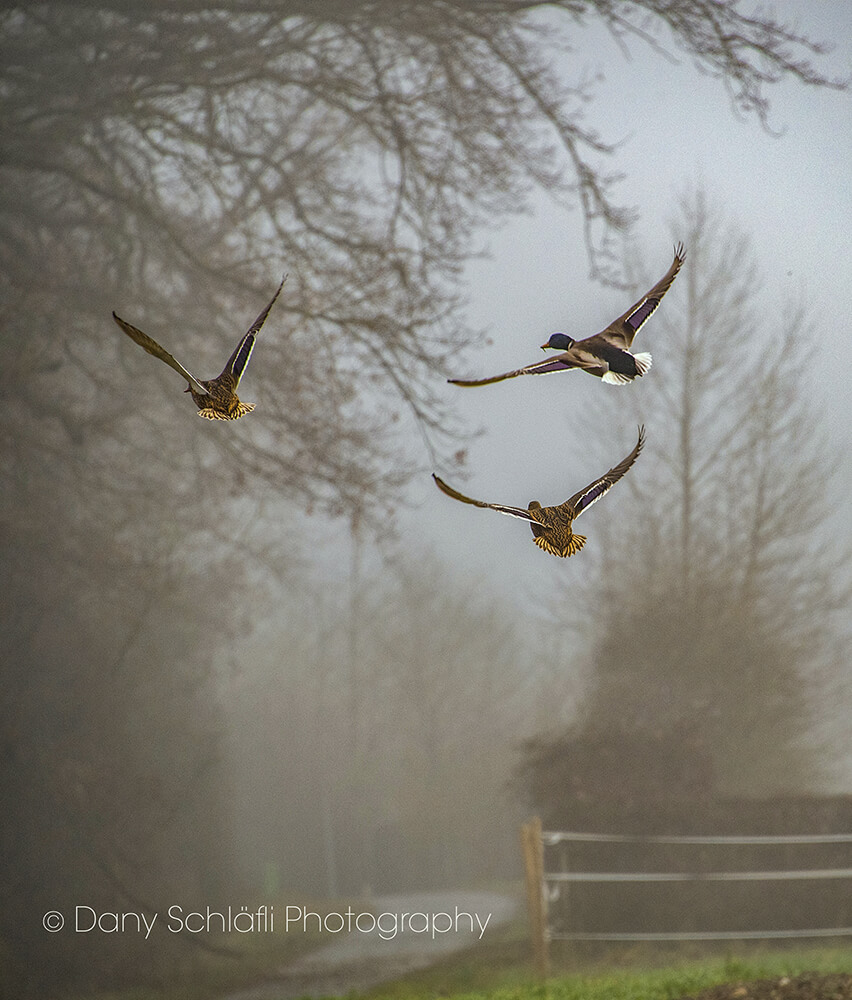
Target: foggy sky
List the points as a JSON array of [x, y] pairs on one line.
[[791, 193]]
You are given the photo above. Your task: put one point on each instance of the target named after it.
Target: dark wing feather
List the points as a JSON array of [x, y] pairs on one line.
[[594, 491], [240, 358], [152, 347], [261, 319], [486, 381], [622, 331], [500, 508], [238, 361], [561, 363]]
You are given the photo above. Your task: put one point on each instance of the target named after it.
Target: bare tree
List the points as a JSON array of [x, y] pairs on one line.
[[413, 788], [717, 599], [172, 160]]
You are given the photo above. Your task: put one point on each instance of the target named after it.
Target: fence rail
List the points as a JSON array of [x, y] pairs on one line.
[[775, 875], [814, 932], [550, 838], [534, 840]]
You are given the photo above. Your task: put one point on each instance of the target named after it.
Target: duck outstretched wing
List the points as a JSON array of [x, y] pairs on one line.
[[152, 347], [559, 363], [594, 491], [622, 331], [239, 360], [500, 508]]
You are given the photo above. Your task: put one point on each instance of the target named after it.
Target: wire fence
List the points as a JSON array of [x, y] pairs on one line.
[[543, 885]]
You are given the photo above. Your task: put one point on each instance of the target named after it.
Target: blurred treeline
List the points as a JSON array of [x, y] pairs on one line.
[[373, 740]]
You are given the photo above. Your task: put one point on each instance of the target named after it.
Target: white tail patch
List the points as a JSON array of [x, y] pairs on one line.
[[643, 363]]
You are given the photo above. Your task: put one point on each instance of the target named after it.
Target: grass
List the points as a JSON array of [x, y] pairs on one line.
[[501, 970], [672, 983]]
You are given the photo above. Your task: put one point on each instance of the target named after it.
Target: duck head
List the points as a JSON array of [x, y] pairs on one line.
[[559, 342]]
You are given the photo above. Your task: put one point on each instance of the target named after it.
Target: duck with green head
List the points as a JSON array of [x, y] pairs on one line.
[[606, 354]]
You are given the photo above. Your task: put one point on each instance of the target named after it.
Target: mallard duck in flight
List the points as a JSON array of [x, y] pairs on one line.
[[606, 354], [551, 526], [216, 398]]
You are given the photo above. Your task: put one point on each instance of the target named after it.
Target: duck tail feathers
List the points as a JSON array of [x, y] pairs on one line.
[[643, 363]]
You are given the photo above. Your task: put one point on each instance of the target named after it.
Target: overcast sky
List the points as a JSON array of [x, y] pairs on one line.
[[792, 193]]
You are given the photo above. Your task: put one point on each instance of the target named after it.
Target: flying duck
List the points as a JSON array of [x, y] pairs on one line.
[[551, 526], [216, 398], [607, 353]]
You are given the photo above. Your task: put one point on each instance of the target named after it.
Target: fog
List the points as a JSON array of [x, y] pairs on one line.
[[267, 660]]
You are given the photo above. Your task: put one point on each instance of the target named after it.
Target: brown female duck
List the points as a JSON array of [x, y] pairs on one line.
[[216, 398], [552, 526]]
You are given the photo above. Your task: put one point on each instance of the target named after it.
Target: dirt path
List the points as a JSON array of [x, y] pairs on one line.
[[395, 935]]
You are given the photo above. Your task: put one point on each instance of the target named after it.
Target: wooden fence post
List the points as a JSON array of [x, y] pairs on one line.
[[533, 851]]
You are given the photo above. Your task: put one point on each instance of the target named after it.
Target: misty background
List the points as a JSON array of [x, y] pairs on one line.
[[247, 659]]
